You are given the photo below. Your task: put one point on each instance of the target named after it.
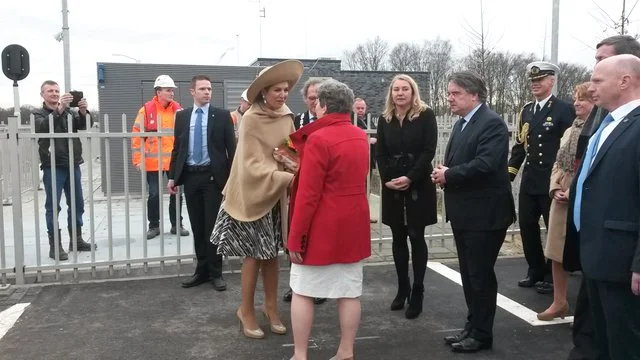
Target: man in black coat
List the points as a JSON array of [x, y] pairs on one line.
[[583, 331], [474, 179], [605, 209], [203, 149], [541, 126]]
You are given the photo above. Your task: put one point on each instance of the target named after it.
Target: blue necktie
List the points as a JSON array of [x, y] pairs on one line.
[[197, 138], [592, 150]]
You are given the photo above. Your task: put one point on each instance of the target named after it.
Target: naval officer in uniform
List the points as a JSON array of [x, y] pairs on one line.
[[540, 127]]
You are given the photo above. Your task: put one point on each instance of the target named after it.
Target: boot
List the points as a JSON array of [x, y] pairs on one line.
[[52, 249], [415, 303], [404, 293], [82, 245]]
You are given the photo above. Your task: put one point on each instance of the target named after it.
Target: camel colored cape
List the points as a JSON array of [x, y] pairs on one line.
[[257, 181]]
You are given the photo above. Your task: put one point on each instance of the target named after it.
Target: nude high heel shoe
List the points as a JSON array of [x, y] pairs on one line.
[[548, 316], [279, 329], [250, 333]]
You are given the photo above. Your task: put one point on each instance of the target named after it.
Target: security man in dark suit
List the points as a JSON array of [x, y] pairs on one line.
[[583, 331], [605, 207], [540, 128], [203, 149]]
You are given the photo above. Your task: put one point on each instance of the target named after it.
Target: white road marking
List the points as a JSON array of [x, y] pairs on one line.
[[504, 302], [312, 343], [9, 317]]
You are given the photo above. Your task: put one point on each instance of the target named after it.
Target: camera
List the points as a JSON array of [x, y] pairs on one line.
[[77, 96]]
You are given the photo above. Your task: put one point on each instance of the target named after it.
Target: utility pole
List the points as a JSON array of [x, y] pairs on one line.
[[555, 25], [262, 16], [65, 46]]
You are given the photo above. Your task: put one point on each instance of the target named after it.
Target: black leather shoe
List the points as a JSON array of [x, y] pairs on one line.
[[451, 339], [527, 282], [471, 345], [544, 287], [288, 295], [219, 283], [319, 301], [195, 280]]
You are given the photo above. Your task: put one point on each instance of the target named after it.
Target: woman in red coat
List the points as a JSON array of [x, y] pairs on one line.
[[329, 234]]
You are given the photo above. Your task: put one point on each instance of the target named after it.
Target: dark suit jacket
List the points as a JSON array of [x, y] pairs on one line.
[[301, 120], [608, 240], [546, 128], [221, 143], [478, 193]]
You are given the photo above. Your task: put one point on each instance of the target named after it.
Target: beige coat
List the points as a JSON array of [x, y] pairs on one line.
[[257, 181], [560, 180]]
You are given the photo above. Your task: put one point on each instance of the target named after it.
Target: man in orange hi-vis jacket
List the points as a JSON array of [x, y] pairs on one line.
[[155, 115]]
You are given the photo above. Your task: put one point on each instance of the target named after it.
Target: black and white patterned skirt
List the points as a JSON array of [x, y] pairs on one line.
[[259, 239]]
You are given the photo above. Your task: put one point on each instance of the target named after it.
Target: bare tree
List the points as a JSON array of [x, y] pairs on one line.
[[520, 88], [570, 75], [502, 66], [436, 58], [480, 51], [370, 56], [405, 57]]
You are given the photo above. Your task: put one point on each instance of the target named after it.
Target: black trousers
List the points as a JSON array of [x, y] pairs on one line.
[[204, 197], [531, 208], [153, 202], [477, 254], [583, 333], [616, 319]]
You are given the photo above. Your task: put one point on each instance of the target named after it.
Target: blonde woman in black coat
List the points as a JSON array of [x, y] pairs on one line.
[[407, 138]]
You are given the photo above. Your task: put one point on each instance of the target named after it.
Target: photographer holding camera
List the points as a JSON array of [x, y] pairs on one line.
[[407, 138], [60, 108]]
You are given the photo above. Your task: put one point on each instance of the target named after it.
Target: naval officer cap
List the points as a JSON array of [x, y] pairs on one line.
[[540, 69]]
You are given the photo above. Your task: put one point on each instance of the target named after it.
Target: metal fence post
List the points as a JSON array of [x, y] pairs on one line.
[[16, 195]]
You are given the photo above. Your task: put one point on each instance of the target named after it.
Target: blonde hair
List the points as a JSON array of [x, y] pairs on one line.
[[581, 92], [417, 105]]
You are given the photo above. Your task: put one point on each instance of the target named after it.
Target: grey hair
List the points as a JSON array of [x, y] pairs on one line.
[[471, 83], [336, 96], [312, 81]]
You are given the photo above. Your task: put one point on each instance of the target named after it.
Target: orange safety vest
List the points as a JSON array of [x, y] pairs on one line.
[[154, 117]]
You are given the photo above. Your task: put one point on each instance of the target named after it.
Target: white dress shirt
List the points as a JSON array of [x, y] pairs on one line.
[[618, 115]]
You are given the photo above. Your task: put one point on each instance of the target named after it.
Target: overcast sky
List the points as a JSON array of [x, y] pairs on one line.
[[200, 32]]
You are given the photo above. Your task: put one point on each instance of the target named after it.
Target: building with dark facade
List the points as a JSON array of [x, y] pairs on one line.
[[124, 87]]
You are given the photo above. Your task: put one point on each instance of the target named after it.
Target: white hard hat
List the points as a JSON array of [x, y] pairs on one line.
[[244, 96], [164, 81]]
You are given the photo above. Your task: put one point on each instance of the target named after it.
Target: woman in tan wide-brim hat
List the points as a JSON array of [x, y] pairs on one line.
[[251, 220]]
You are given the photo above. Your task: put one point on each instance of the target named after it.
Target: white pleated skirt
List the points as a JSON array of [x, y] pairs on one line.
[[327, 281]]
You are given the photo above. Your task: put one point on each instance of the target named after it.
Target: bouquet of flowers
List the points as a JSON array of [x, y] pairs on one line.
[[287, 154]]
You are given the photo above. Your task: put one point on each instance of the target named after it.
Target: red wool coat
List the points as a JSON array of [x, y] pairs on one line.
[[329, 208]]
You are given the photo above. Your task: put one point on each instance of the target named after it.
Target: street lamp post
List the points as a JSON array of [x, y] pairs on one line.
[[65, 45]]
